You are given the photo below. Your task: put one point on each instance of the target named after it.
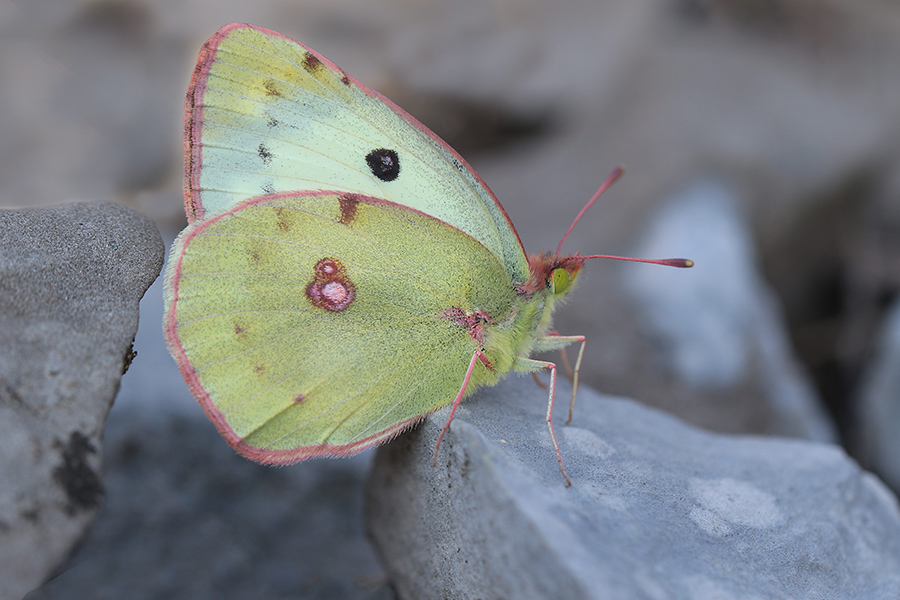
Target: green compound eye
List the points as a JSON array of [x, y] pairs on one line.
[[560, 281]]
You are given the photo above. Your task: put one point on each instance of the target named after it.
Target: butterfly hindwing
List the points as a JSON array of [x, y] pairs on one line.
[[266, 115], [302, 321]]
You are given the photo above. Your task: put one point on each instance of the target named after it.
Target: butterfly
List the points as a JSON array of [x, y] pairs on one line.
[[344, 272]]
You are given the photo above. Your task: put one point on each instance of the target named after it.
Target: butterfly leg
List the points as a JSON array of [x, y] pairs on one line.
[[567, 366], [535, 365], [476, 356], [565, 361], [563, 355], [559, 342], [573, 373]]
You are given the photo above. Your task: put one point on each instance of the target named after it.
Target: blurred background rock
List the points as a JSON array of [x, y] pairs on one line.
[[760, 139]]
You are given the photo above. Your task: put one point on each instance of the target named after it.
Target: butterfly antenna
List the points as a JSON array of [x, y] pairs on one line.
[[613, 177], [682, 263]]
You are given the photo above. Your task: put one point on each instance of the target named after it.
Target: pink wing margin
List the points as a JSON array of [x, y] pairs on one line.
[[189, 373], [193, 122]]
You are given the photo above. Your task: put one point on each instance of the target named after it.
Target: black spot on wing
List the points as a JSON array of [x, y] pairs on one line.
[[265, 154], [384, 164]]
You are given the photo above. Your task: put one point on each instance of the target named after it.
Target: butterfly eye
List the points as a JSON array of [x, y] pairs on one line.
[[559, 281]]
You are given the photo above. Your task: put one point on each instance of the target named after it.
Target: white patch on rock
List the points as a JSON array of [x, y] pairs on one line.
[[724, 501], [710, 521]]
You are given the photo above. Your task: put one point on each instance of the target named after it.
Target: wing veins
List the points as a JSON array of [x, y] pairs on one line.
[[360, 392], [472, 185]]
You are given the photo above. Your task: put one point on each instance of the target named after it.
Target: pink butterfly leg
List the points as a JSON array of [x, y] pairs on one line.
[[552, 367], [476, 356], [564, 355], [554, 340], [574, 372]]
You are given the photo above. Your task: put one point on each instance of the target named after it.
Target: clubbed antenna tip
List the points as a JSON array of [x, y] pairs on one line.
[[681, 263]]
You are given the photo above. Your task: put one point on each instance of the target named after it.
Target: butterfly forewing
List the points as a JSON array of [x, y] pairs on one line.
[[267, 115]]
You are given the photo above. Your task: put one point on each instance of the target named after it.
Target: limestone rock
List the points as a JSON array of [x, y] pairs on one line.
[[658, 509], [71, 278], [186, 518], [879, 404]]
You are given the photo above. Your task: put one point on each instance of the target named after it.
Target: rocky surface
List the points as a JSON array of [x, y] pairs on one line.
[[657, 509], [186, 518], [71, 278], [879, 404]]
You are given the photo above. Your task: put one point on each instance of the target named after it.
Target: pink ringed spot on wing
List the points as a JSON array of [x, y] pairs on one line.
[[330, 287], [335, 292], [299, 399]]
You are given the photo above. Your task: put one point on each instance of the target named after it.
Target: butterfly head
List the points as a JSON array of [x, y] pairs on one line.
[[552, 273], [556, 273]]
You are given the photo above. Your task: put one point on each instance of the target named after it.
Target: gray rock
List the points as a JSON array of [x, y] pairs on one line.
[[71, 278], [657, 510], [879, 404], [188, 519], [718, 326]]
